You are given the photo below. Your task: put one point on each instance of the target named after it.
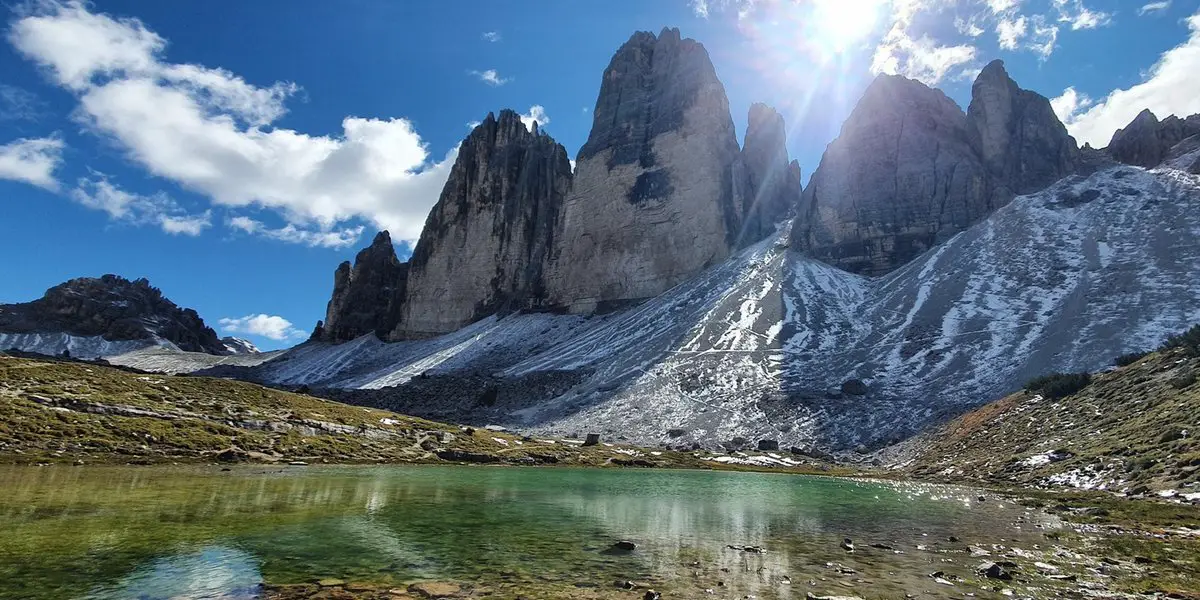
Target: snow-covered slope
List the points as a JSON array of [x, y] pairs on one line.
[[760, 347], [78, 346]]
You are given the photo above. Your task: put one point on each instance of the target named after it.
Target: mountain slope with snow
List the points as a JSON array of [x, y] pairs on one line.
[[773, 345]]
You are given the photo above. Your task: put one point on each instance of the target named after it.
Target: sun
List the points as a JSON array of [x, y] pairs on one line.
[[841, 24]]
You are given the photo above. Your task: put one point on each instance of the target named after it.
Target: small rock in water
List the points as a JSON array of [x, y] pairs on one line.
[[651, 595], [953, 539], [298, 463], [848, 545], [882, 546], [812, 596], [434, 589], [624, 545], [330, 582], [750, 549]]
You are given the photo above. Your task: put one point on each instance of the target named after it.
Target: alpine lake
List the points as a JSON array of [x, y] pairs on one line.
[[256, 531]]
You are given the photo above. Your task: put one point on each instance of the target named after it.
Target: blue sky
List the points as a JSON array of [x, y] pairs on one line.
[[235, 152]]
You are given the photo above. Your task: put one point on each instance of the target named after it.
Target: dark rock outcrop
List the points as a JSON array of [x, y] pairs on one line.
[[654, 198], [910, 169], [1023, 145], [367, 297], [1146, 141], [487, 241], [774, 183], [114, 308], [900, 177]]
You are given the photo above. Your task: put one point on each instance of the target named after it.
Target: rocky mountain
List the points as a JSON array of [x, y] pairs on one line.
[[910, 169], [661, 192], [238, 346], [368, 296], [773, 183], [772, 344], [92, 316], [654, 199], [487, 242], [1147, 142]]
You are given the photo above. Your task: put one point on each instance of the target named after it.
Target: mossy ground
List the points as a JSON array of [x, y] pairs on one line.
[[55, 411], [1132, 429]]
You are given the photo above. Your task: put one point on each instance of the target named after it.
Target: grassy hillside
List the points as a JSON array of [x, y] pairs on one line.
[[63, 411], [1133, 429]]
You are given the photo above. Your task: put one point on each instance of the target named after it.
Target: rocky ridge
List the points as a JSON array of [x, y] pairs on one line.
[[486, 244], [367, 296], [910, 169], [661, 191], [106, 309], [1147, 142]]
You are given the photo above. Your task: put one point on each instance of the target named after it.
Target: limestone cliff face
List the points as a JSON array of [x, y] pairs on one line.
[[486, 242], [1020, 140], [773, 184], [366, 296], [1146, 141], [900, 177], [910, 169], [654, 198]]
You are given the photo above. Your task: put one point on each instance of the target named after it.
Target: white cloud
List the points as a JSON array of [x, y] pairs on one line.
[[700, 7], [1154, 7], [1171, 87], [1010, 31], [209, 130], [97, 192], [1069, 103], [336, 238], [1044, 38], [1002, 6], [491, 36], [921, 58], [18, 104], [490, 77], [32, 160], [1079, 16], [968, 27], [537, 114], [269, 326]]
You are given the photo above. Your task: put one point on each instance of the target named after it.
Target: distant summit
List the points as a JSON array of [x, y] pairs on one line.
[[88, 315]]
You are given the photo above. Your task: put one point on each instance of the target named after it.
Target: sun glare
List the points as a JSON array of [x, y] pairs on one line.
[[843, 23]]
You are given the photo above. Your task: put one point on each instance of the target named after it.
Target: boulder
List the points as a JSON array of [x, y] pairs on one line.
[[654, 199]]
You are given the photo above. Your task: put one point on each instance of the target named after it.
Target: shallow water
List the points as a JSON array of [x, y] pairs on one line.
[[139, 532]]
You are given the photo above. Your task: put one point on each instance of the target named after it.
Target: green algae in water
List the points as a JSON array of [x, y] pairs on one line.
[[112, 532]]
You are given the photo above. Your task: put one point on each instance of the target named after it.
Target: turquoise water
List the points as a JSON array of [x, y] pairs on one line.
[[152, 533]]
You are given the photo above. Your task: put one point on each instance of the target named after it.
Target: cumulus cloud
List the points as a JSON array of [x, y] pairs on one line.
[[490, 77], [32, 161], [1171, 87], [968, 27], [210, 131], [317, 238], [1069, 103], [537, 114], [269, 326], [98, 193], [1154, 7], [491, 36]]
